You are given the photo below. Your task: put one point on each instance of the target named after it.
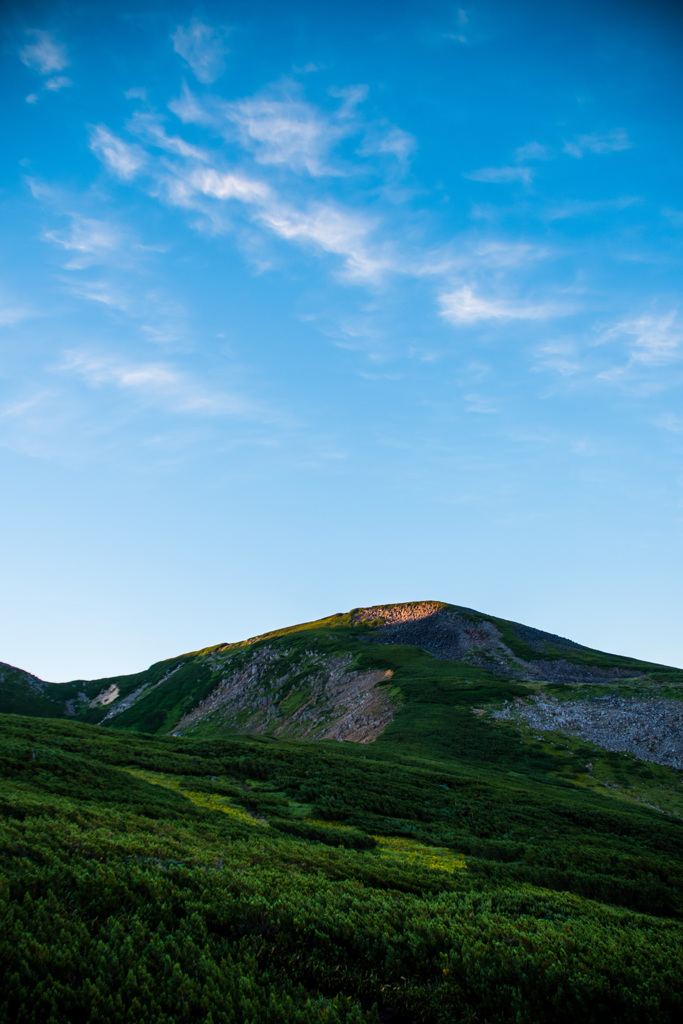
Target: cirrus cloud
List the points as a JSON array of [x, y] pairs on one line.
[[598, 142], [501, 175], [203, 47], [122, 158], [44, 54], [155, 383], [462, 306], [653, 340]]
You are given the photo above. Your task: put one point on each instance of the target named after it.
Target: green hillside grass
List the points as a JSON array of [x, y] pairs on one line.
[[20, 694], [157, 879], [456, 870]]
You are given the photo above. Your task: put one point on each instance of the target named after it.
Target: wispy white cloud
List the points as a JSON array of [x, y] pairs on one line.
[[57, 83], [462, 306], [29, 421], [279, 128], [466, 256], [150, 128], [190, 109], [358, 333], [673, 215], [351, 97], [652, 341], [287, 131], [494, 252], [11, 313], [457, 33], [20, 407], [598, 142], [158, 383], [307, 69], [480, 404], [230, 185], [501, 175], [587, 208], [649, 346], [103, 292], [86, 235], [43, 54], [125, 284], [329, 226], [334, 230], [669, 421], [559, 357], [391, 142], [122, 158], [533, 151], [41, 190], [161, 318], [323, 225], [203, 47], [90, 240]]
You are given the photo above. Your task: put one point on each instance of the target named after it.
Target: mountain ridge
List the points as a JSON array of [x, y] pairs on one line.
[[371, 615], [383, 673]]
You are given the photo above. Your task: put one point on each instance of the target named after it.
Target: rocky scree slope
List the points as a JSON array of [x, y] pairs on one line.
[[461, 634], [650, 729], [301, 695]]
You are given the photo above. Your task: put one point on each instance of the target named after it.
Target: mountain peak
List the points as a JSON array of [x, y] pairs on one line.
[[362, 676]]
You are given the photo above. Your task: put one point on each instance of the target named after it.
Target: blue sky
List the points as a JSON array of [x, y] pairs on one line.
[[311, 306]]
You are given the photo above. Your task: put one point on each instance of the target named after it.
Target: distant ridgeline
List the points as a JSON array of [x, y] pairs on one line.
[[371, 673], [497, 838]]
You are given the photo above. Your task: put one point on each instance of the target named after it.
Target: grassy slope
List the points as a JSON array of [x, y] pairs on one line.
[[138, 873], [146, 879], [435, 717], [548, 649], [47, 700], [22, 694]]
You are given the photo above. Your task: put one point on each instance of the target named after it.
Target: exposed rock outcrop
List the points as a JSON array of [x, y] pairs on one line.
[[650, 729], [308, 697], [459, 634]]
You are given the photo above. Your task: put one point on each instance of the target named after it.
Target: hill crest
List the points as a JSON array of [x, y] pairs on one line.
[[388, 673]]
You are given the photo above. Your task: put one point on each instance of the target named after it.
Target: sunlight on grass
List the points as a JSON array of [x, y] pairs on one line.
[[406, 851], [438, 858], [208, 800]]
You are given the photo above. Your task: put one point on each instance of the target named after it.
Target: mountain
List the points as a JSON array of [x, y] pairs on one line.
[[404, 814], [401, 673]]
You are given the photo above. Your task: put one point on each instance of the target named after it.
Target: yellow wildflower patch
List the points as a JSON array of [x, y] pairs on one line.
[[437, 858], [209, 800]]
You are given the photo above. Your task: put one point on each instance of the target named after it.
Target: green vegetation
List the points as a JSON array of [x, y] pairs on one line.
[[456, 870], [158, 879], [575, 653]]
